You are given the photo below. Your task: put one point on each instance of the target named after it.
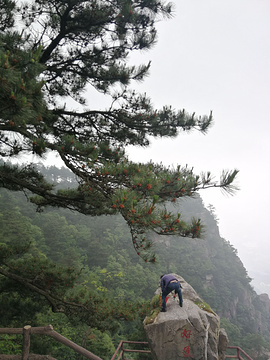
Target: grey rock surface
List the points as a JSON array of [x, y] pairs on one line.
[[187, 332]]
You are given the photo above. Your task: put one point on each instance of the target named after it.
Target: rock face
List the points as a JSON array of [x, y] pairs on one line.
[[187, 332]]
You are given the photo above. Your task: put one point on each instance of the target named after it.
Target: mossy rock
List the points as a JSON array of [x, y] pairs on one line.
[[155, 304], [204, 306]]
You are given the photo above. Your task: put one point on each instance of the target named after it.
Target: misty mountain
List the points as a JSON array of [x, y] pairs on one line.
[[102, 246]]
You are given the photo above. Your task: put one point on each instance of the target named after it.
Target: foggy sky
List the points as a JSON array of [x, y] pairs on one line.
[[214, 55]]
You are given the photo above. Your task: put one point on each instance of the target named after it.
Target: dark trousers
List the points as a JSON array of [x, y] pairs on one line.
[[170, 287]]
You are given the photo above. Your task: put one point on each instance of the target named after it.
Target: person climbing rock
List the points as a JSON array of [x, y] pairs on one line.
[[169, 283]]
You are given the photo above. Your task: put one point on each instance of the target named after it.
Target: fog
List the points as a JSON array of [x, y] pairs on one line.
[[214, 55]]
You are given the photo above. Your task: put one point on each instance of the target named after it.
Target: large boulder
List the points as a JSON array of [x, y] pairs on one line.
[[188, 332]]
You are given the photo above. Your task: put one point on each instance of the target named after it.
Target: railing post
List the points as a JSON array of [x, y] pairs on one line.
[[26, 342]]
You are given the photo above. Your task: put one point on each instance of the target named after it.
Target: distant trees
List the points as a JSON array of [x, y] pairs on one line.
[[108, 283], [41, 268]]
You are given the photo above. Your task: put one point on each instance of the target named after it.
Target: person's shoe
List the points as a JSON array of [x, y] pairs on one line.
[[181, 305], [163, 310]]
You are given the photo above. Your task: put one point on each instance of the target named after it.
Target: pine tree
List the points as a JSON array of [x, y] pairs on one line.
[[54, 51], [80, 43]]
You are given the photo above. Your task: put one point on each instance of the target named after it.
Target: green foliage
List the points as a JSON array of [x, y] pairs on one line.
[[6, 14], [100, 343], [106, 299], [10, 344], [56, 277], [90, 338], [256, 345], [59, 238], [233, 331], [155, 304]]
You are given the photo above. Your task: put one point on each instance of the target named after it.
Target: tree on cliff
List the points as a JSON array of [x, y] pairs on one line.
[[52, 55]]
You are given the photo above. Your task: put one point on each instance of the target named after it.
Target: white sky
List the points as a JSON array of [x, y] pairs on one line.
[[214, 55]]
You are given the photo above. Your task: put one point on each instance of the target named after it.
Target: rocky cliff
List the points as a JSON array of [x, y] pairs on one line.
[[191, 331]]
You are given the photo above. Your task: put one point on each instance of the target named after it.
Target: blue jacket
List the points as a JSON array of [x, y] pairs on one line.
[[165, 281]]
